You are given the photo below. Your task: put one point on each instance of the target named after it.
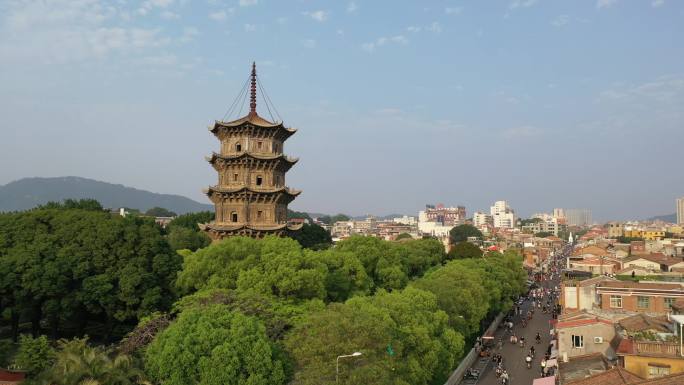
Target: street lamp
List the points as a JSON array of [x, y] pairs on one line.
[[337, 367]]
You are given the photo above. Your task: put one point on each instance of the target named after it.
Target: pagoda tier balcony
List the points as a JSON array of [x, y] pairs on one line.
[[252, 194], [259, 161], [222, 230]]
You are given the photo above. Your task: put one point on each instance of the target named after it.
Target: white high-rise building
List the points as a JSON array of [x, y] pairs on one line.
[[481, 219], [680, 211], [502, 215], [578, 217], [558, 213]]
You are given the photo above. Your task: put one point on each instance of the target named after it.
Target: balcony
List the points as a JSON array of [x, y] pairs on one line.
[[657, 348]]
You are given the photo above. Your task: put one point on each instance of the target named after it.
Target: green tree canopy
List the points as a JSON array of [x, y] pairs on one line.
[[403, 236], [68, 267], [160, 212], [34, 354], [190, 220], [214, 346], [312, 236], [462, 232], [406, 323], [76, 362], [543, 234], [329, 220], [298, 215], [69, 204], [464, 250], [181, 238]]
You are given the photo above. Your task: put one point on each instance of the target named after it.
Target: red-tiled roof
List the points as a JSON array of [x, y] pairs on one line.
[[614, 376], [674, 379]]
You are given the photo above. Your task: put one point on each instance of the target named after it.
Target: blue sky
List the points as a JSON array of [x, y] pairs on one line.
[[398, 103]]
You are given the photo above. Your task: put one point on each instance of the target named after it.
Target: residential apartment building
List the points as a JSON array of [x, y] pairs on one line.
[[448, 216], [581, 333], [550, 225], [502, 215], [578, 217], [482, 220], [680, 211], [645, 297], [615, 229]]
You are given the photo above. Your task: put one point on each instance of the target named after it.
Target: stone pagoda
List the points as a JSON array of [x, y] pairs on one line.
[[251, 197]]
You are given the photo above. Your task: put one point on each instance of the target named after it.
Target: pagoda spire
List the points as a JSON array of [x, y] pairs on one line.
[[252, 96]]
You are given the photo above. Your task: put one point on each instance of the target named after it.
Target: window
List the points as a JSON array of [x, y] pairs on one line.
[[275, 147], [616, 301], [259, 180], [577, 341], [658, 370], [259, 145], [669, 302], [259, 214], [234, 216], [643, 302], [238, 147], [235, 177], [277, 180]]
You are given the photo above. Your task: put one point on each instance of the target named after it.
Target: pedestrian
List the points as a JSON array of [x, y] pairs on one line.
[[543, 367]]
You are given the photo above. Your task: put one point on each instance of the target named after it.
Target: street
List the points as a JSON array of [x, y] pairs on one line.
[[513, 355]]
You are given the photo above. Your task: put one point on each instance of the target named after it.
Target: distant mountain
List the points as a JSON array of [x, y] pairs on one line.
[[672, 218], [27, 193]]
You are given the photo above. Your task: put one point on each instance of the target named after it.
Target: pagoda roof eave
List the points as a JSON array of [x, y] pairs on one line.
[[256, 227], [285, 190], [253, 119], [248, 154]]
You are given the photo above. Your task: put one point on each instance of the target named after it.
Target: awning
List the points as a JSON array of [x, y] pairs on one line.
[[551, 380], [551, 363]]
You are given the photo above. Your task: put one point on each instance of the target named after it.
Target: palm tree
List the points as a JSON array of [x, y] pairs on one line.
[[77, 363]]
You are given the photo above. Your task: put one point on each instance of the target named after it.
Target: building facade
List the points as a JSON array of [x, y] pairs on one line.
[[502, 215], [680, 211], [578, 217], [251, 197]]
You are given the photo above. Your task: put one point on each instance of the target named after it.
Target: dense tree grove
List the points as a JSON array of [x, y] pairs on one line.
[[462, 232], [313, 237], [67, 268], [464, 250], [239, 311]]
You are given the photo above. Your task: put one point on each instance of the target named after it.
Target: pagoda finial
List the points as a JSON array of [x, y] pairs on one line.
[[252, 98]]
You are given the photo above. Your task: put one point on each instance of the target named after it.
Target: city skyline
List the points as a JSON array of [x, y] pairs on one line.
[[127, 90]]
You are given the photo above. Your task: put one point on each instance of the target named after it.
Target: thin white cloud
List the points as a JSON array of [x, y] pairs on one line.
[[605, 3], [320, 15], [657, 3], [189, 34], [247, 3], [453, 10], [414, 29], [521, 4], [309, 43], [60, 32], [434, 27], [352, 7], [560, 21], [250, 27], [168, 15], [381, 41], [220, 15]]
